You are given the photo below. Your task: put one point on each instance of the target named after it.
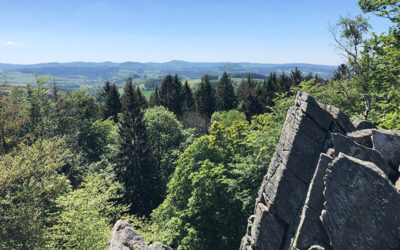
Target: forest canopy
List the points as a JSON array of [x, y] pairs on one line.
[[185, 164]]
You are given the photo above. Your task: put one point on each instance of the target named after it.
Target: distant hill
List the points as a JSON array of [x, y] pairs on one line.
[[91, 73]]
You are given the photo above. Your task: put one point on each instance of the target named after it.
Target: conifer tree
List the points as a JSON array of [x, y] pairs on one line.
[[284, 82], [296, 77], [142, 102], [38, 106], [170, 94], [112, 103], [247, 98], [101, 95], [55, 90], [134, 166], [308, 77], [274, 80], [187, 99], [268, 92], [155, 98], [342, 72], [205, 98], [225, 95]]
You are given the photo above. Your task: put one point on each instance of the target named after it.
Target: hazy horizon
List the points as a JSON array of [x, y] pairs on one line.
[[157, 31], [169, 61]]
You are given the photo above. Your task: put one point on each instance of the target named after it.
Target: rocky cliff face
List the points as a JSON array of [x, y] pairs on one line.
[[330, 185]]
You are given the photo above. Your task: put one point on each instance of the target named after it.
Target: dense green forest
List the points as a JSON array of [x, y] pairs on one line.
[[183, 165]]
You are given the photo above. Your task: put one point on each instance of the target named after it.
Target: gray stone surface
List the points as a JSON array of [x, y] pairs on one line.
[[361, 206], [305, 134], [347, 202], [346, 145], [267, 230], [124, 237], [362, 137], [388, 143], [339, 119], [310, 230], [362, 124]]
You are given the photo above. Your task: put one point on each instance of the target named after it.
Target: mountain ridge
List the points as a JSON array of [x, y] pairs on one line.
[[172, 63]]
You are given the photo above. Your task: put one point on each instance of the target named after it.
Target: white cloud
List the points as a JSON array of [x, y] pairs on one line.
[[12, 43]]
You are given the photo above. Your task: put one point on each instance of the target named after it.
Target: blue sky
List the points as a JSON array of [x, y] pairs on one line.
[[268, 31]]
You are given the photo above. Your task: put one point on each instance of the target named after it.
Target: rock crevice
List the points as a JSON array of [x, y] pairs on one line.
[[329, 185]]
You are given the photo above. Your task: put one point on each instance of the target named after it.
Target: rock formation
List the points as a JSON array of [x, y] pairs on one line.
[[329, 185], [124, 237]]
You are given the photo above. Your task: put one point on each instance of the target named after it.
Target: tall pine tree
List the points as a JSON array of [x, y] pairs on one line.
[[112, 103], [134, 167], [205, 99], [170, 94], [268, 92], [155, 98], [101, 95], [247, 97], [296, 77], [142, 102], [187, 99], [225, 95]]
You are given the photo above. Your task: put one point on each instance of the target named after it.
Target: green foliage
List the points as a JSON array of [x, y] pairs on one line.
[[381, 63], [38, 106], [171, 94], [339, 93], [225, 95], [29, 184], [165, 138], [267, 91], [12, 119], [193, 120], [217, 178], [205, 99], [86, 215], [384, 8], [188, 104], [155, 98], [134, 166], [247, 98], [226, 118], [112, 103]]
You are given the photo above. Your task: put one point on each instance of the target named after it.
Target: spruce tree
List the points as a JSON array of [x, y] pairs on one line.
[[284, 83], [296, 77], [170, 94], [225, 95], [134, 167], [101, 95], [342, 72], [187, 99], [142, 102], [274, 80], [205, 99], [247, 97], [55, 90], [267, 93], [155, 98], [112, 103]]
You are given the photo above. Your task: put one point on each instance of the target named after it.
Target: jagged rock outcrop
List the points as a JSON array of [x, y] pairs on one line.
[[124, 237], [361, 206], [328, 186]]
